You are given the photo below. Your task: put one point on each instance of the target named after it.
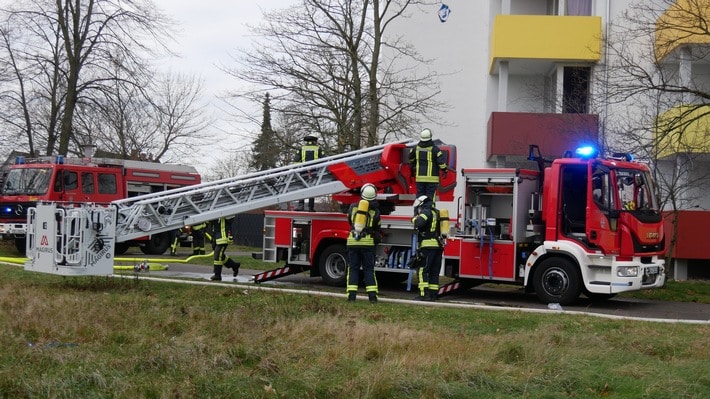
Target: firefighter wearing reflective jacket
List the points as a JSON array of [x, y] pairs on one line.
[[426, 160], [364, 235], [309, 151], [198, 238], [221, 238], [431, 246]]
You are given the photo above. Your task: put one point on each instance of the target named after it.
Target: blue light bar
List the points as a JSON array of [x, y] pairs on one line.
[[586, 152]]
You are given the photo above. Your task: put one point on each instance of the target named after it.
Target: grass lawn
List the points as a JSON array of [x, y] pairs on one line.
[[96, 337]]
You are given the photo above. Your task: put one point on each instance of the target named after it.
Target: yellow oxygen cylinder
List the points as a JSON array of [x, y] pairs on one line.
[[361, 216], [444, 222]]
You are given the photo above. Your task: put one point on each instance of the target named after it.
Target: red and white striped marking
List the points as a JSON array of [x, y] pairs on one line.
[[272, 274], [448, 288]]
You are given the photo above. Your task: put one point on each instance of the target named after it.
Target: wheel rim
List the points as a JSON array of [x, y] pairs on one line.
[[335, 266], [555, 282]]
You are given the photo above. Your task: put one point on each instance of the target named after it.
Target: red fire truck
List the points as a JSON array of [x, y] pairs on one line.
[[581, 224], [85, 180]]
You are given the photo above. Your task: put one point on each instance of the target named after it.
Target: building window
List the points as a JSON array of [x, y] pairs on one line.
[[578, 7], [575, 95]]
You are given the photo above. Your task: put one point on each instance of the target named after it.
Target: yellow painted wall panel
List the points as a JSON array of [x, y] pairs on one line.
[[562, 38]]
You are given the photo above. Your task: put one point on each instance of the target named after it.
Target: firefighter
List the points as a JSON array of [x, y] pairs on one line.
[[431, 246], [426, 160], [309, 151], [175, 240], [221, 238], [198, 238], [364, 235]]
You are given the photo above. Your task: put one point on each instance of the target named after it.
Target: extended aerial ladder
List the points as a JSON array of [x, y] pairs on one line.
[[79, 240]]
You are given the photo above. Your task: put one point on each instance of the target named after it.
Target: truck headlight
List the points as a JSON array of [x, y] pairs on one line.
[[627, 271]]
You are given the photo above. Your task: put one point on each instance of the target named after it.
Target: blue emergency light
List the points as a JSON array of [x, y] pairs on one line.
[[586, 152]]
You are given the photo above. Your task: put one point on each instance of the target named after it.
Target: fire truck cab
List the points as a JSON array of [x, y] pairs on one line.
[[84, 180], [582, 225]]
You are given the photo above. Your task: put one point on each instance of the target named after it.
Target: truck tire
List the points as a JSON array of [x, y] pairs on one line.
[[333, 265], [121, 248], [557, 281], [157, 244]]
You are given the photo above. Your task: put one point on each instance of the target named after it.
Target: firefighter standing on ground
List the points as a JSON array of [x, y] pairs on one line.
[[198, 238], [425, 162], [364, 235], [309, 151], [431, 246], [221, 237]]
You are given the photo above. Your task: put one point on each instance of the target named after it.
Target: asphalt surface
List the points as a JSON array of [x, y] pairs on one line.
[[509, 298]]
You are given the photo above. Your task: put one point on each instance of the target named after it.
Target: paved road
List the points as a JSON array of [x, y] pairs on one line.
[[506, 297]]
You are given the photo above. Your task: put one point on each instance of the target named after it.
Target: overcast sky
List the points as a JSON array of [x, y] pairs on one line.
[[208, 31]]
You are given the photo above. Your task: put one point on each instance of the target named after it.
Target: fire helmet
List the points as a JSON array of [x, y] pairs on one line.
[[421, 200], [368, 192], [425, 135]]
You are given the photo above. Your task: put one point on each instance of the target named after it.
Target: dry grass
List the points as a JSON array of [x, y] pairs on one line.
[[94, 338]]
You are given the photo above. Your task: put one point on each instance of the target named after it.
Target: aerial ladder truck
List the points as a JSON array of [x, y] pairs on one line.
[[79, 239]]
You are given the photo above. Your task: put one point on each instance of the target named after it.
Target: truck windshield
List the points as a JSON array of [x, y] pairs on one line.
[[635, 189], [27, 181]]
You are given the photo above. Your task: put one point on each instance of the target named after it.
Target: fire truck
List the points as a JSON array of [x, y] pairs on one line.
[[80, 180], [580, 224]]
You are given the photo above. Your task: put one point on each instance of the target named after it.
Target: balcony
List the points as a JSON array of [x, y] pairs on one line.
[[684, 24], [683, 130], [532, 43], [511, 133]]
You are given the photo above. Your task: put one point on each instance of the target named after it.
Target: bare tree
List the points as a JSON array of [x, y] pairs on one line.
[[67, 53], [667, 105], [324, 63]]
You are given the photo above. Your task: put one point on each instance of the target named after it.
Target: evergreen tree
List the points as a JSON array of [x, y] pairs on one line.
[[265, 150]]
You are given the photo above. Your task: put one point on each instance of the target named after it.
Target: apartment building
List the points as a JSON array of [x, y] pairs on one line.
[[554, 73]]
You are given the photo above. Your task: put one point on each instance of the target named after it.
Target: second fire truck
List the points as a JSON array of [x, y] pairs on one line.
[[85, 180]]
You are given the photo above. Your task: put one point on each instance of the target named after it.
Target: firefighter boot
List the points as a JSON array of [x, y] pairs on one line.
[[352, 295], [422, 295], [432, 295], [372, 296], [217, 276], [230, 264]]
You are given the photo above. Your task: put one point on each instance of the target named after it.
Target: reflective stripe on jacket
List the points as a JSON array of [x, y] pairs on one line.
[[426, 162]]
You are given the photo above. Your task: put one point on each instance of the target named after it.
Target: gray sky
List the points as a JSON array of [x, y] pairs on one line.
[[208, 31]]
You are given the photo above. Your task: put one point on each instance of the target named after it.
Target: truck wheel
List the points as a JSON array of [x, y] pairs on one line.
[[20, 245], [157, 244], [333, 265], [557, 281], [121, 248]]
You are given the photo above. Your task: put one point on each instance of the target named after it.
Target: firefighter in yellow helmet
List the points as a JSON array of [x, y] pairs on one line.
[[364, 235], [431, 247], [309, 151], [426, 160]]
